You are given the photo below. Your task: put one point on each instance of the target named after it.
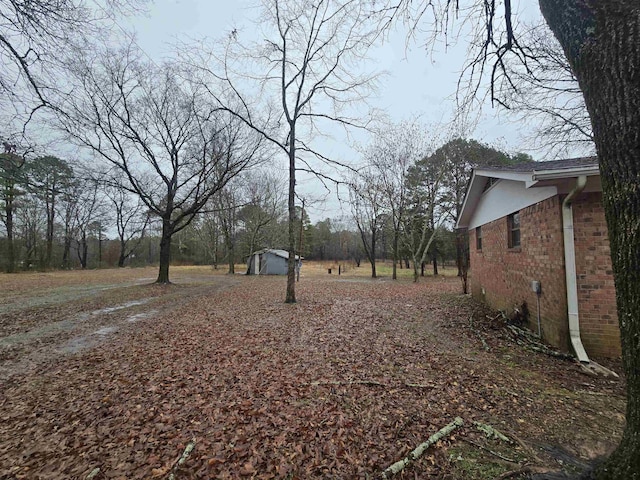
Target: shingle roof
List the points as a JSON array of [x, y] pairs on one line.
[[549, 165]]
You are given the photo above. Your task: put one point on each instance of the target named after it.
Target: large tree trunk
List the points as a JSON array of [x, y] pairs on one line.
[[165, 251], [83, 250], [66, 252], [601, 42], [231, 256], [122, 257], [291, 264]]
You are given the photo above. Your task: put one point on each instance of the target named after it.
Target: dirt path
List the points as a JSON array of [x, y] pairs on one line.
[[47, 321]]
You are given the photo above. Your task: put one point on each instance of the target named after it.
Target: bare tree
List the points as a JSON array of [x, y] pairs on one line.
[[367, 200], [132, 218], [302, 74], [68, 203], [87, 213], [548, 91], [428, 208], [30, 223], [34, 36], [227, 202], [172, 147], [392, 152], [209, 235], [265, 203]]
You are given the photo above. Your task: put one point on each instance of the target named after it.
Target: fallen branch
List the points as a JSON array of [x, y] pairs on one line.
[[532, 342], [532, 337], [187, 451], [420, 449], [93, 473], [552, 353], [371, 383], [419, 385], [491, 432], [595, 369], [352, 382]]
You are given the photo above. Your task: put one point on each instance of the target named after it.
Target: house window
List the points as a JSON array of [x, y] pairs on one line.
[[513, 227], [478, 238]]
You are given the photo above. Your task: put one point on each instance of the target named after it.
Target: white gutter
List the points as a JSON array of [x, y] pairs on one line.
[[570, 269], [565, 173]]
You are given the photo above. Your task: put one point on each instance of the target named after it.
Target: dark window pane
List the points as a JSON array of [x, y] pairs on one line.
[[515, 238], [513, 226]]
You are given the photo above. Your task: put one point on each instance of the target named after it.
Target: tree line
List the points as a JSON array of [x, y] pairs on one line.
[[415, 199], [57, 214]]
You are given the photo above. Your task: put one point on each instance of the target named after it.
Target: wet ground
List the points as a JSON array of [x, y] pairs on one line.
[[46, 316]]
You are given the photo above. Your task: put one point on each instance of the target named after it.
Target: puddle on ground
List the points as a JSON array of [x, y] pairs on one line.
[[105, 331], [107, 310], [141, 316], [130, 304], [77, 344]]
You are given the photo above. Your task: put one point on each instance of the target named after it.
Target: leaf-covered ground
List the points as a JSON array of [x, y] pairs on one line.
[[342, 384]]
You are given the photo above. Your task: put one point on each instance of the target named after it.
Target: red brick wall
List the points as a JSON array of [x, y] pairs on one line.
[[596, 291], [506, 274]]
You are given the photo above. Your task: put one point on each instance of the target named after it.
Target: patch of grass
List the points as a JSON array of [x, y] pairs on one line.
[[383, 270], [471, 464]]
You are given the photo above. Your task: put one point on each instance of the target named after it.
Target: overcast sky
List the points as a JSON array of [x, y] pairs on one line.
[[420, 82]]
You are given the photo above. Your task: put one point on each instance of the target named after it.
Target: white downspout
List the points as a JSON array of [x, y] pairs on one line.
[[570, 269]]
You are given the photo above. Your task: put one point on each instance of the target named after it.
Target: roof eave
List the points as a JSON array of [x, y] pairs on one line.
[[476, 185], [530, 179], [588, 171]]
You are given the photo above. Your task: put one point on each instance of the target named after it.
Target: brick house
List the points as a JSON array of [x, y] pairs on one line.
[[541, 226]]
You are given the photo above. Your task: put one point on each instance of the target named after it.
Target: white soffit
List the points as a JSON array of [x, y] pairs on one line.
[[526, 177], [506, 197]]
